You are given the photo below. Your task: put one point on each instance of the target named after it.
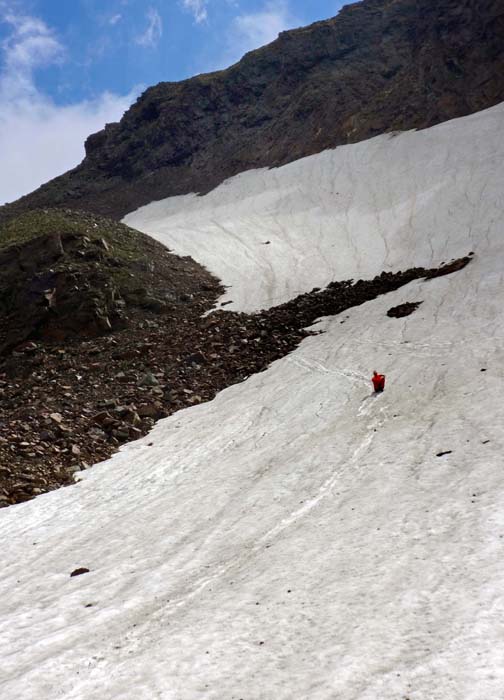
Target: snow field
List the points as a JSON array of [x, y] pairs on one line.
[[298, 537], [392, 202]]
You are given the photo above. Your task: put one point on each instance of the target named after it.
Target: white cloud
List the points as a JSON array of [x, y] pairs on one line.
[[150, 38], [30, 44], [115, 19], [39, 139], [249, 31], [198, 9]]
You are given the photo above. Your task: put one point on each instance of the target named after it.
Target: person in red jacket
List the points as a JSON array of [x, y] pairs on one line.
[[378, 382]]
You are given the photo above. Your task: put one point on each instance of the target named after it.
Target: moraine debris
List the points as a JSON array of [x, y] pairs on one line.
[[66, 405]]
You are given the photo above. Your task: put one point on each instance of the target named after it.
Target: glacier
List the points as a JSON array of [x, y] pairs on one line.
[[299, 537]]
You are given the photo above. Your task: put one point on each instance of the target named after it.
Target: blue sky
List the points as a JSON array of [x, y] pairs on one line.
[[69, 66]]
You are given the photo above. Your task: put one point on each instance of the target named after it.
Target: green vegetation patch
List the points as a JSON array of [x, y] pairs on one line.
[[127, 244]]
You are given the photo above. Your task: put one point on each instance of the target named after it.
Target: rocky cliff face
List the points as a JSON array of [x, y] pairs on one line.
[[380, 65]]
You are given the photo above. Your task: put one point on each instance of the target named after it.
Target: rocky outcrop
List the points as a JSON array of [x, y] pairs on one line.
[[405, 309], [66, 275], [380, 65]]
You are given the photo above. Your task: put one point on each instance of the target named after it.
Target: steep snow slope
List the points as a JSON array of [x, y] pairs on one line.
[[298, 537], [383, 204]]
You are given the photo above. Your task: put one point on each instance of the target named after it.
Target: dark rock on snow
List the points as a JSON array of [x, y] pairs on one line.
[[403, 309], [67, 405]]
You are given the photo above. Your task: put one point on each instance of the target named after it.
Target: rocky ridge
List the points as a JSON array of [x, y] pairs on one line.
[[379, 66]]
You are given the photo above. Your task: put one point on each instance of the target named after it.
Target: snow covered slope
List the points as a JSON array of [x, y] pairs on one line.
[[384, 204], [298, 537]]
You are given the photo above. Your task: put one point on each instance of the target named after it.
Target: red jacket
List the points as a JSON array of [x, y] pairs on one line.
[[378, 382]]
